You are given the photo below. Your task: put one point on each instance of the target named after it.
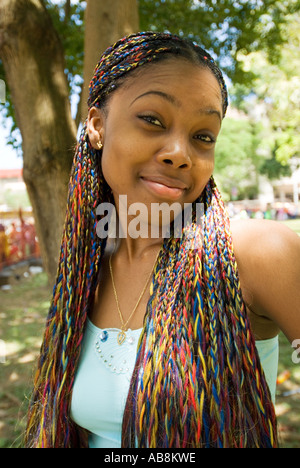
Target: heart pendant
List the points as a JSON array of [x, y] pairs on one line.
[[121, 337]]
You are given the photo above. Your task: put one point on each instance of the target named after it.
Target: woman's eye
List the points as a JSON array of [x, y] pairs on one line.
[[152, 120], [206, 139]]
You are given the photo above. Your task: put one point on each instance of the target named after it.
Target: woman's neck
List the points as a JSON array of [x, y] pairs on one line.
[[133, 250]]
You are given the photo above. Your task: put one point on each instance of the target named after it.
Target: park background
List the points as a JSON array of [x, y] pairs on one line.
[[48, 50]]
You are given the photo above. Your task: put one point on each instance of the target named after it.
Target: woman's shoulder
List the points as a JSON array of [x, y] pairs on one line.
[[268, 260], [266, 232], [264, 241]]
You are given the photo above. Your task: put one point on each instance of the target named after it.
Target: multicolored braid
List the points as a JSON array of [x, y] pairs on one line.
[[197, 381]]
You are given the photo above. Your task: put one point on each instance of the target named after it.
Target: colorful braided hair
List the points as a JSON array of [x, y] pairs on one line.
[[197, 380]]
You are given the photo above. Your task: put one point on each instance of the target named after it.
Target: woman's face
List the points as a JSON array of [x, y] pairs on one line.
[[159, 133]]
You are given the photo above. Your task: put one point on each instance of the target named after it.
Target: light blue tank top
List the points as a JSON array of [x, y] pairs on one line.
[[103, 377]]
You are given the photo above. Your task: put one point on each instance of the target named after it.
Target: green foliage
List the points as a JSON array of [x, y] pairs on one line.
[[274, 169], [224, 26], [275, 90], [68, 20], [237, 158]]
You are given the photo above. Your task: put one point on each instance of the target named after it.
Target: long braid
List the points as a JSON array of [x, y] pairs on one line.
[[49, 424], [241, 335], [197, 380]]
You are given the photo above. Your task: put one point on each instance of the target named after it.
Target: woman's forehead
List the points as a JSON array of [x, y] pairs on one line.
[[164, 68], [172, 77]]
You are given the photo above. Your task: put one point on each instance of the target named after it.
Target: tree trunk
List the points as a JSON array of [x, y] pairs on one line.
[[105, 23], [33, 60]]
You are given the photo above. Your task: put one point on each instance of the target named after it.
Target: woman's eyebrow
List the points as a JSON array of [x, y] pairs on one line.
[[166, 96], [176, 102], [211, 111]]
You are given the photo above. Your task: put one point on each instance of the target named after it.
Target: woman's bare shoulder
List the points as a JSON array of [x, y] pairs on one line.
[[266, 230], [268, 259], [264, 240]]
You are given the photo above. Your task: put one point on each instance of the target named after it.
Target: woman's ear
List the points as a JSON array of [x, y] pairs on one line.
[[95, 127]]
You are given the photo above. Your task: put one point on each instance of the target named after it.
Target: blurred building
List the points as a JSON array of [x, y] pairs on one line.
[[13, 194], [283, 190]]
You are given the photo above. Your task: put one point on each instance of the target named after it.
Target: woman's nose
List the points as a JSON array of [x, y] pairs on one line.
[[176, 154]]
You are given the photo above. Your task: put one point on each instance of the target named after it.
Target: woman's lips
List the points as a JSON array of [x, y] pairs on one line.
[[165, 189]]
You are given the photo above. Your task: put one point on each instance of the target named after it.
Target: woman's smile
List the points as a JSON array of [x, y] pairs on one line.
[[167, 188]]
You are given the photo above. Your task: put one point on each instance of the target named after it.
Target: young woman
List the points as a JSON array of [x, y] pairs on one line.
[[166, 341]]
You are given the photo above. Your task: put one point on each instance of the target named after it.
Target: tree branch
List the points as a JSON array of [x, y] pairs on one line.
[[67, 11]]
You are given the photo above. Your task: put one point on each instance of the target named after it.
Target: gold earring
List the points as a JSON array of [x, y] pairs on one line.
[[100, 145]]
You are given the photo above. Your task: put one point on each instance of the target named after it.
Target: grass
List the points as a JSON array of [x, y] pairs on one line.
[[22, 324], [24, 310], [293, 224], [288, 407]]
